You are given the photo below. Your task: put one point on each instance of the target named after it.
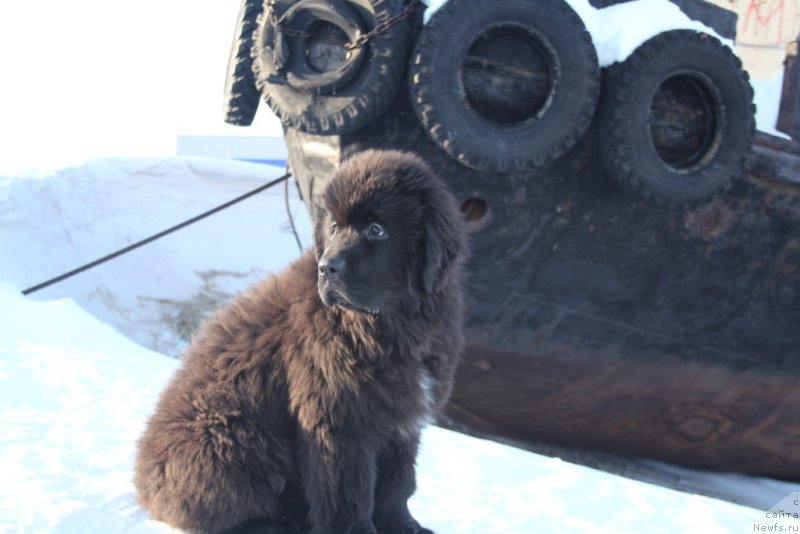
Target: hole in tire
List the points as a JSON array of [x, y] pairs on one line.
[[475, 212], [507, 75], [325, 49], [683, 122]]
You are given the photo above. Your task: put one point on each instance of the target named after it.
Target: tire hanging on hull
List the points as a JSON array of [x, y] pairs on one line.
[[677, 118], [241, 94], [309, 76], [507, 87]]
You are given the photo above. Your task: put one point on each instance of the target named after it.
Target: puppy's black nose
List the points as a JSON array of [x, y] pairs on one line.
[[331, 267]]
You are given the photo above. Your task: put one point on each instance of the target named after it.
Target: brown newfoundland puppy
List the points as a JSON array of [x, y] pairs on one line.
[[299, 406]]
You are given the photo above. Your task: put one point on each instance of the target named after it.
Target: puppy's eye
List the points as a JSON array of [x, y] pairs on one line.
[[376, 231]]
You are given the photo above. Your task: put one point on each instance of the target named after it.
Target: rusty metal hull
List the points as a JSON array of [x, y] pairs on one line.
[[600, 320]]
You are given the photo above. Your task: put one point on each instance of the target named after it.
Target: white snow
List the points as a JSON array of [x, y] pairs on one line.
[[768, 102], [75, 392], [52, 225], [74, 396], [618, 30]]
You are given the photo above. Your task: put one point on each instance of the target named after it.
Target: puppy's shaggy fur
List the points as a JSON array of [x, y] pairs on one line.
[[301, 402]]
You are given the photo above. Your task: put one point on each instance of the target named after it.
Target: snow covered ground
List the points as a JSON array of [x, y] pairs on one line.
[[76, 384], [74, 395]]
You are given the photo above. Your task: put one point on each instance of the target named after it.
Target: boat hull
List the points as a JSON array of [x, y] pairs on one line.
[[595, 318]]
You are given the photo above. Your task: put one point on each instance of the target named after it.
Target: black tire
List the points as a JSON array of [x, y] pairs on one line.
[[241, 94], [341, 98], [539, 111], [676, 119]]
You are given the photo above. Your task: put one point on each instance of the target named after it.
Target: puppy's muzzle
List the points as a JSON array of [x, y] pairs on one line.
[[332, 268]]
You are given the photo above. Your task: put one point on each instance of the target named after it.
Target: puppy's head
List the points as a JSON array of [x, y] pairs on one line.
[[386, 228]]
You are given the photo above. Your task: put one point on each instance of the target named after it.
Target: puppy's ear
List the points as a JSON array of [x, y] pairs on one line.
[[444, 242]]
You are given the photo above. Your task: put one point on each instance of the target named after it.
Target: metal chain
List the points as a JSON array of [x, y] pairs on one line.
[[358, 43], [383, 26]]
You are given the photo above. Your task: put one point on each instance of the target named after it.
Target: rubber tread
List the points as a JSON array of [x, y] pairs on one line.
[[241, 94], [356, 104], [487, 154], [620, 145]]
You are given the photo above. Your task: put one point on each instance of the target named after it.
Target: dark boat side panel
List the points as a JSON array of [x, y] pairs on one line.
[[596, 318]]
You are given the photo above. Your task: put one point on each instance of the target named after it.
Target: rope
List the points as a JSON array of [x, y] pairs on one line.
[[152, 238], [289, 210]]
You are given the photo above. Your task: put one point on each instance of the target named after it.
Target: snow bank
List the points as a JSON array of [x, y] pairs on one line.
[[51, 225], [74, 396]]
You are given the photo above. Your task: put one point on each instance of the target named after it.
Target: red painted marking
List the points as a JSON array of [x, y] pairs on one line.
[[765, 21]]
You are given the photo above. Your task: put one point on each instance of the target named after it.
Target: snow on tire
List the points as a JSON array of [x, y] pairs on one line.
[[308, 77], [507, 87], [241, 94], [676, 118]]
